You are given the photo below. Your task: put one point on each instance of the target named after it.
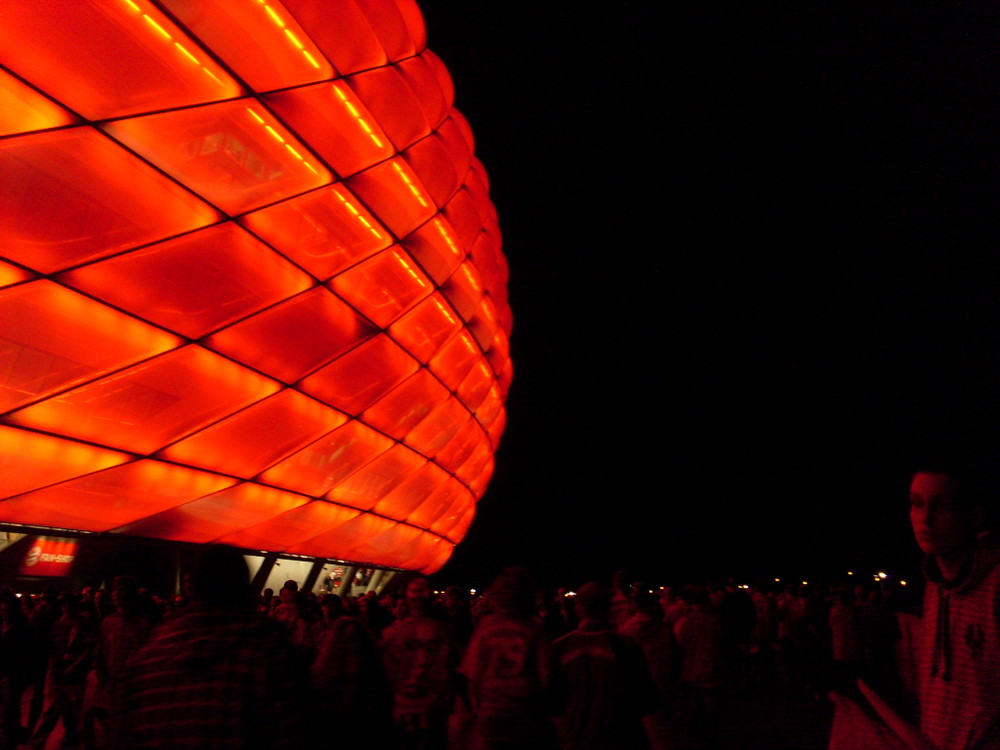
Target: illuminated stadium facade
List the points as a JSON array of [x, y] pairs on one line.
[[251, 287]]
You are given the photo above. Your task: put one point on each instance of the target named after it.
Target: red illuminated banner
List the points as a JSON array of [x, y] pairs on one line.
[[49, 556]]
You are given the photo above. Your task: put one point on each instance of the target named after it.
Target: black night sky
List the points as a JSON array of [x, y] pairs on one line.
[[754, 273]]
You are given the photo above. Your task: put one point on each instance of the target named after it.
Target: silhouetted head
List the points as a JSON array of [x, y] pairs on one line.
[[593, 601], [513, 592], [219, 576]]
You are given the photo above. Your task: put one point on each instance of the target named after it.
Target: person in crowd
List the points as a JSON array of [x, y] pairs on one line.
[[120, 635], [15, 667], [42, 619], [505, 668], [600, 685], [218, 675], [659, 646], [456, 610], [352, 691], [420, 654], [72, 645], [845, 640], [703, 662], [957, 659]]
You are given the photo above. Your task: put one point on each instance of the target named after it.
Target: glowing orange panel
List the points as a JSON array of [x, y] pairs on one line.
[[317, 468], [497, 427], [437, 171], [112, 498], [29, 460], [336, 123], [414, 21], [150, 404], [390, 26], [226, 512], [22, 109], [454, 360], [74, 195], [109, 59], [484, 324], [383, 287], [446, 84], [195, 283], [394, 192], [259, 40], [438, 428], [455, 512], [463, 214], [480, 457], [11, 274], [294, 526], [476, 385], [248, 442], [52, 338], [407, 405], [419, 74], [499, 352], [462, 446], [461, 528], [424, 329], [451, 138], [294, 338], [464, 291], [437, 248], [374, 480], [357, 378], [438, 555], [490, 407], [446, 495], [371, 538], [342, 32], [389, 98], [235, 154], [405, 498]]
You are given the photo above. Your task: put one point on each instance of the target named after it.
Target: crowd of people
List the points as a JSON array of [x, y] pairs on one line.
[[615, 665]]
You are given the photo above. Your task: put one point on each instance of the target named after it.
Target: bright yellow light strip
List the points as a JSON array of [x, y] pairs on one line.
[[289, 35], [444, 311], [409, 183], [278, 137], [357, 214], [468, 344], [409, 270], [472, 279], [357, 115], [447, 238], [177, 45]]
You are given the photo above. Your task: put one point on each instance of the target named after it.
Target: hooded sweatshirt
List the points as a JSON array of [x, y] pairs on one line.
[[958, 656]]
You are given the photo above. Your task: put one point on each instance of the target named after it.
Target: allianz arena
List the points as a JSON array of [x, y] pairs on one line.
[[251, 286]]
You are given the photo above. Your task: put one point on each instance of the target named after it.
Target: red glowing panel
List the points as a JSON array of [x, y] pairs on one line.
[[481, 456], [436, 247], [357, 378], [383, 287], [248, 442], [424, 329], [109, 59], [440, 426], [463, 215], [387, 96], [454, 360], [151, 404], [490, 407], [196, 283], [462, 446], [376, 479], [484, 324], [446, 522], [420, 76], [476, 385], [74, 195], [342, 32], [464, 291], [433, 165], [235, 154], [294, 338], [52, 338], [370, 538], [411, 493], [294, 526], [29, 460], [226, 512], [22, 109], [323, 231], [259, 40], [497, 427], [394, 31], [317, 468], [444, 496], [112, 498], [395, 193], [10, 274], [407, 405], [335, 122]]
